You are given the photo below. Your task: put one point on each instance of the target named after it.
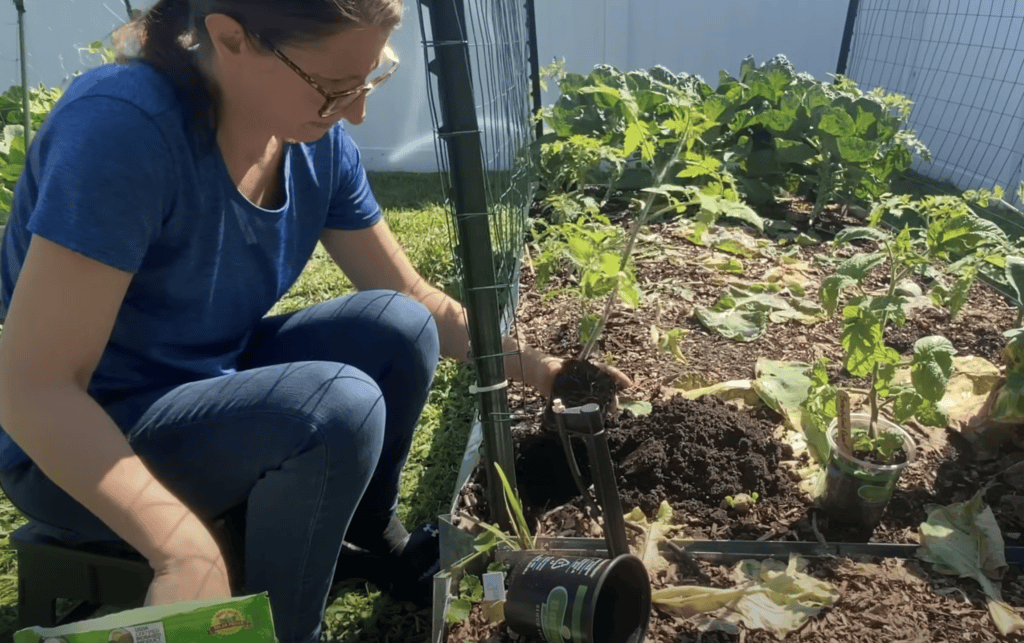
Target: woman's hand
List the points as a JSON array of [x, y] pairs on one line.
[[549, 366], [539, 369]]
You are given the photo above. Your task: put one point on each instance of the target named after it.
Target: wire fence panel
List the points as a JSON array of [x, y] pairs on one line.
[[962, 64], [502, 69], [478, 55]]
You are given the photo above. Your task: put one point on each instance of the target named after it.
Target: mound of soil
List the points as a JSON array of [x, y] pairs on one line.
[[690, 453], [695, 453]]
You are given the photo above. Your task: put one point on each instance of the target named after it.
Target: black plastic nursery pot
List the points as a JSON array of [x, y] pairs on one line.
[[579, 599], [857, 492]]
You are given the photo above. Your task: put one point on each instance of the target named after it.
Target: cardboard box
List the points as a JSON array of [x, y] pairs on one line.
[[239, 620]]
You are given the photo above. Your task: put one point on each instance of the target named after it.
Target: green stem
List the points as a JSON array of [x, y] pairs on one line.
[[628, 249], [824, 193], [894, 277]]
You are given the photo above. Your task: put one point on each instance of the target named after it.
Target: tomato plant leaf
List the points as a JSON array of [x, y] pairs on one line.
[[884, 377], [862, 334], [831, 288], [629, 293], [932, 366], [848, 235], [1015, 275], [858, 266]]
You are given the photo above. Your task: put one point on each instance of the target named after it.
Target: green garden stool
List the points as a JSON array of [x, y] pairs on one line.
[[54, 563]]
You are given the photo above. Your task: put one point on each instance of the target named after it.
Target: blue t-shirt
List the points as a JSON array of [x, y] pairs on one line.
[[120, 173]]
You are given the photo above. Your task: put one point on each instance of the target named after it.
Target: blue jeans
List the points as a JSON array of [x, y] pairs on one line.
[[310, 434]]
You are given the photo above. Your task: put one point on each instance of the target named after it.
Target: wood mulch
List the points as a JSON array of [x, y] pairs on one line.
[[890, 600]]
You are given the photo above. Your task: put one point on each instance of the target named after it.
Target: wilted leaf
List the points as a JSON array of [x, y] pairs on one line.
[[695, 387], [783, 386], [741, 325], [769, 595], [795, 273], [733, 246], [727, 265], [639, 408], [647, 546], [963, 539]]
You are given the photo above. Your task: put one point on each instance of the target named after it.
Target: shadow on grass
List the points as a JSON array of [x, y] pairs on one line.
[[8, 621]]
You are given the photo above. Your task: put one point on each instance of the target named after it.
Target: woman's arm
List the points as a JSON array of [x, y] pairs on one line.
[[372, 259], [59, 321]]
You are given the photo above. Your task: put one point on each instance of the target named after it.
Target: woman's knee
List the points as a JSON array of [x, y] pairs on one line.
[[411, 329], [341, 407]]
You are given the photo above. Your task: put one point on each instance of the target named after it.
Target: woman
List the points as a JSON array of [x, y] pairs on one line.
[[165, 207]]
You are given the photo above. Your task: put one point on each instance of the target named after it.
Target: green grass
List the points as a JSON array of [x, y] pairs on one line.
[[413, 206]]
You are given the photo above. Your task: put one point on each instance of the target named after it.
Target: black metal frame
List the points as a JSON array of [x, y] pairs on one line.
[[483, 297], [844, 47]]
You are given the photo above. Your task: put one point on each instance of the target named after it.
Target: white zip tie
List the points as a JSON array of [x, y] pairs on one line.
[[473, 388]]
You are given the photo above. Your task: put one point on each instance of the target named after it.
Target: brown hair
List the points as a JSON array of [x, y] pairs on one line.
[[165, 35]]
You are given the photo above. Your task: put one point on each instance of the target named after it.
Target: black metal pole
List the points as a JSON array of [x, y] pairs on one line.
[[128, 8], [26, 105], [844, 47], [531, 28], [461, 135]]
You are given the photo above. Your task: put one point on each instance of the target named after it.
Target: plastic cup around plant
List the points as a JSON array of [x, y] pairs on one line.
[[857, 491]]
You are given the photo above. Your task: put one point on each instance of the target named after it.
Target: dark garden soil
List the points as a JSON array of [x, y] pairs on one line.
[[695, 453]]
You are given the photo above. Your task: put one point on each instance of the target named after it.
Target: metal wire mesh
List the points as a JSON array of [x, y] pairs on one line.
[[962, 64], [498, 38], [478, 55]]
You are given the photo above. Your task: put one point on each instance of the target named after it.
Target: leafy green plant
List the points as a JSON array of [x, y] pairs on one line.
[[591, 246], [945, 231], [741, 503], [471, 592], [772, 128], [488, 540], [12, 162], [12, 135], [41, 102], [826, 140]]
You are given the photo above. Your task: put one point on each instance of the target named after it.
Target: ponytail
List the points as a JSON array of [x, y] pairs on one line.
[[161, 37]]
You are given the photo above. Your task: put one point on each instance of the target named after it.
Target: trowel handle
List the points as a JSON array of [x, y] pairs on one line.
[[587, 421]]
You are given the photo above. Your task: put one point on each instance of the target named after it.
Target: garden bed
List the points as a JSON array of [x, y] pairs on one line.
[[694, 453]]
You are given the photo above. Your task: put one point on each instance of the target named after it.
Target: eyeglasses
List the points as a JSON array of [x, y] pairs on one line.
[[334, 103]]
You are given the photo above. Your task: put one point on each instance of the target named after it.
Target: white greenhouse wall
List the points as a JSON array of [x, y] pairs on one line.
[[695, 36]]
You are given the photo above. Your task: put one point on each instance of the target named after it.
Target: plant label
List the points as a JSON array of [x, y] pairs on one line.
[[494, 586]]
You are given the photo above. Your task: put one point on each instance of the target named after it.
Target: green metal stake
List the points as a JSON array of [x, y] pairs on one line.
[[20, 6]]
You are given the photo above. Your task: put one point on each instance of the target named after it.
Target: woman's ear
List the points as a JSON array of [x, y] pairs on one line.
[[226, 34]]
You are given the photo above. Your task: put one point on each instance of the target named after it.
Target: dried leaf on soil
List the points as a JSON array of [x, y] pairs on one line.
[[963, 539], [769, 595]]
